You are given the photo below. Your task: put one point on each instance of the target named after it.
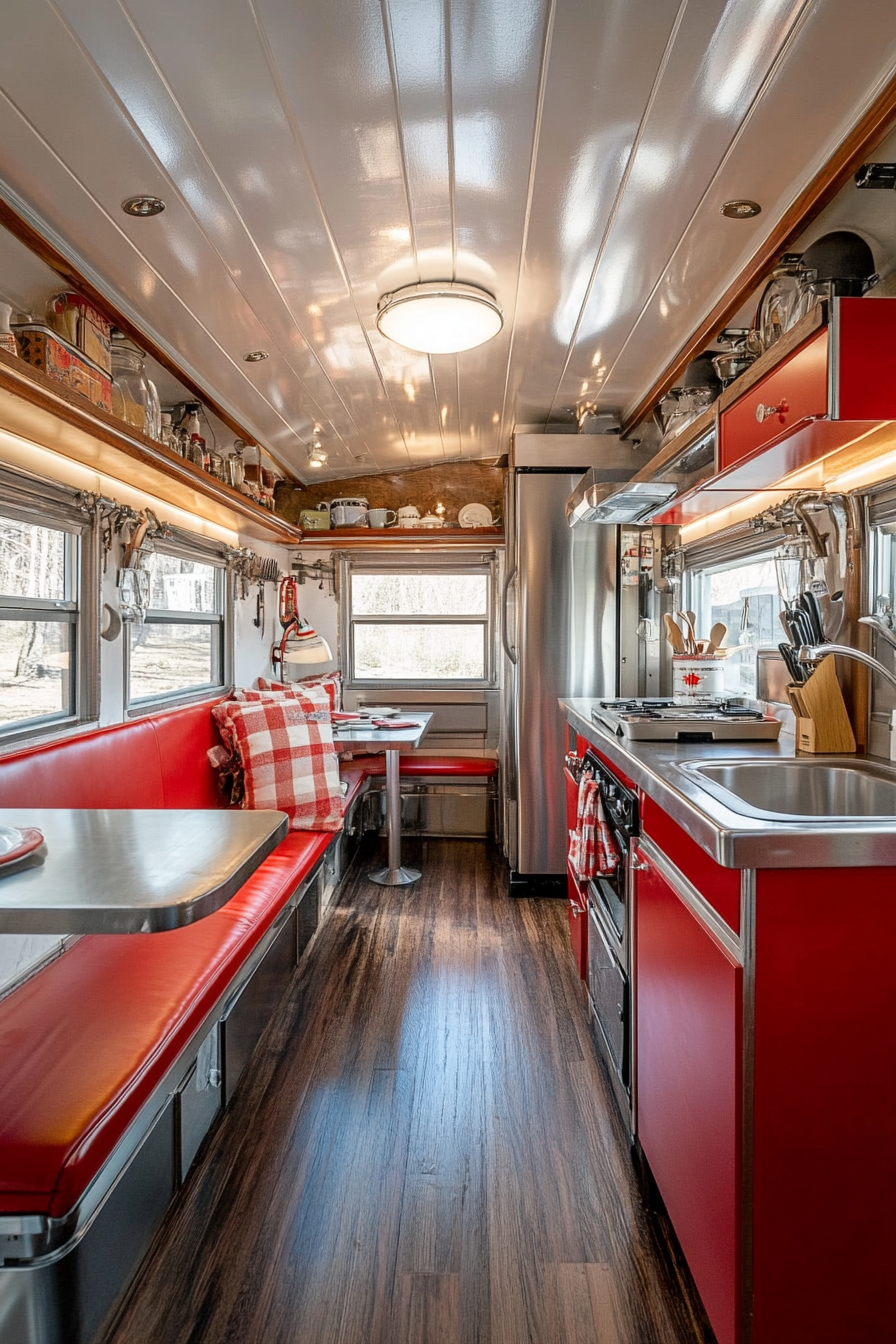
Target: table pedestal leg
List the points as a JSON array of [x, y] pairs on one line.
[[394, 875]]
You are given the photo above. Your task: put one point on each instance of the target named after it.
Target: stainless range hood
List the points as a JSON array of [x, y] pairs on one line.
[[596, 500], [674, 470]]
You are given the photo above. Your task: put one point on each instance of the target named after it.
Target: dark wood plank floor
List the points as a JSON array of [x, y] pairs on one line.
[[425, 1153]]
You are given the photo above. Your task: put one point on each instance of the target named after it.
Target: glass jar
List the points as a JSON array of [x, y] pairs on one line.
[[785, 300], [235, 472], [134, 396]]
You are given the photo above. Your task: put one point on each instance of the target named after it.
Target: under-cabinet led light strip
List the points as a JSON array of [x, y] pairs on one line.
[[20, 452]]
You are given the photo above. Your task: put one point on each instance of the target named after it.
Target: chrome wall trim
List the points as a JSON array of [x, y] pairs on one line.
[[834, 359], [699, 906], [748, 1074]]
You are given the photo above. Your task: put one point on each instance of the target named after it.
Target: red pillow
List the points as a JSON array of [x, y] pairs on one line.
[[331, 682], [289, 763]]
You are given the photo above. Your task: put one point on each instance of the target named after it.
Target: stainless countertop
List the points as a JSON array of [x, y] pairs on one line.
[[131, 871], [734, 840]]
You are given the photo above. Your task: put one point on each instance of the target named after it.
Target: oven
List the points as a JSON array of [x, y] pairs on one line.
[[608, 956]]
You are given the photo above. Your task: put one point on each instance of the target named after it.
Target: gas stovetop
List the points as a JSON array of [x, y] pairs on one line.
[[655, 719]]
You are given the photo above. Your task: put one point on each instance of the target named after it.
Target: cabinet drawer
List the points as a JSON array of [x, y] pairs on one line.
[[797, 390]]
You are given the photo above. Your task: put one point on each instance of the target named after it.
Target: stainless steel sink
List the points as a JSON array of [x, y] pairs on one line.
[[826, 788]]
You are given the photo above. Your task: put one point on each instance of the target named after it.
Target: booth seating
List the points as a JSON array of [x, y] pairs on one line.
[[441, 795], [116, 1058]]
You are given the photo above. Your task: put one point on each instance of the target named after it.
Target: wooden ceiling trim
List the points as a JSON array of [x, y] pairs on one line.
[[69, 274], [877, 121]]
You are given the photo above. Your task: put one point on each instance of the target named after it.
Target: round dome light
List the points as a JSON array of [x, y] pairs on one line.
[[439, 317]]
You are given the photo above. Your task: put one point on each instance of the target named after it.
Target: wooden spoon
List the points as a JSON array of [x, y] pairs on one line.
[[690, 637], [717, 634], [673, 634]]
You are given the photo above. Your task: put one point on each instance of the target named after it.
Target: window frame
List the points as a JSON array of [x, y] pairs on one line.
[[186, 546], [483, 563], [30, 499], [731, 549]]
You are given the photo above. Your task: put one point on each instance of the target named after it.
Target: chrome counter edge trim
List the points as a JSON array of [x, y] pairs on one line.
[[699, 906], [733, 840]]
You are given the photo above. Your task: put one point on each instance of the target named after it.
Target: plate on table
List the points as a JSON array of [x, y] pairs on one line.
[[16, 843], [475, 515]]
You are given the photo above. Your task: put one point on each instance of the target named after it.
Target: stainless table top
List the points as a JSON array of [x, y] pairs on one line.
[[732, 839], [361, 736], [131, 871]]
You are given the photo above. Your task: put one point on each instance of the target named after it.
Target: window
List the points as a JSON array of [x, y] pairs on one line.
[[179, 649], [419, 625], [49, 641], [743, 595]]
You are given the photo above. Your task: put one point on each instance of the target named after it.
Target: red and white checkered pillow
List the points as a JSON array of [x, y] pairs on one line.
[[289, 763], [331, 682]]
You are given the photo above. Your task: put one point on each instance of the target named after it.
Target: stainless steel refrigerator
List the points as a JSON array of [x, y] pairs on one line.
[[560, 639]]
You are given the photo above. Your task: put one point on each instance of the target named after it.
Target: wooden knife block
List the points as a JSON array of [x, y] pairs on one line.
[[827, 729]]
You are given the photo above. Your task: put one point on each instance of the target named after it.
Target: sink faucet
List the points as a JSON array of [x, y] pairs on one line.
[[813, 653]]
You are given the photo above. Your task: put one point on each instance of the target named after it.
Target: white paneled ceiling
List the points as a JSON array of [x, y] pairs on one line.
[[570, 155]]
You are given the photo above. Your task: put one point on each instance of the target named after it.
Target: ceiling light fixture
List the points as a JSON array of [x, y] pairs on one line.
[[317, 454], [439, 317], [256, 356], [741, 209], [143, 207]]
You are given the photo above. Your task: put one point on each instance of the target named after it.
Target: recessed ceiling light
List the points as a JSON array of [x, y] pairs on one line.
[[256, 356], [143, 206], [741, 209], [317, 455], [439, 317]]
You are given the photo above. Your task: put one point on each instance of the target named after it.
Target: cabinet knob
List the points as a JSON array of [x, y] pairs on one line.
[[766, 412], [640, 865]]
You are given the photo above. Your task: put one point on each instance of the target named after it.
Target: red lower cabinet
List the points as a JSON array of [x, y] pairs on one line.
[[688, 1050]]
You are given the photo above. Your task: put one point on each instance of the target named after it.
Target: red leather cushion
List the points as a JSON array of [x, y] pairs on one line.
[[433, 765], [110, 767], [184, 736], [84, 1044], [354, 775]]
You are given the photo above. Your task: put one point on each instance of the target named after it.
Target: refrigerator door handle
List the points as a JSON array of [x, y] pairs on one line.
[[509, 649]]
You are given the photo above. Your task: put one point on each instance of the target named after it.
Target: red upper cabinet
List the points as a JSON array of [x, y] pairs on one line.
[[792, 394], [829, 389]]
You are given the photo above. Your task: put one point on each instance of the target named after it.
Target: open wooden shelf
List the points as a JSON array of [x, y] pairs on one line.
[[37, 407], [339, 537]]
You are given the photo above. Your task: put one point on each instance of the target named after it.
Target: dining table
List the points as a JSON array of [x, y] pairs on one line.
[[130, 870], [364, 734]]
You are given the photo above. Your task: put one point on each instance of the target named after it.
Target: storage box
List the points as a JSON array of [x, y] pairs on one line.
[[76, 320], [43, 349]]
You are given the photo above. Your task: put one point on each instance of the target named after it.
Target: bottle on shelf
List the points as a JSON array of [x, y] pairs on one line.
[[198, 451], [7, 339]]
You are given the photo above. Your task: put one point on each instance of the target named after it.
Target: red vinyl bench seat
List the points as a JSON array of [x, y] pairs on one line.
[[84, 1044], [457, 766]]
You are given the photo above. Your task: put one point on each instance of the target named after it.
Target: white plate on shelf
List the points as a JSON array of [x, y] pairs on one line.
[[475, 515], [382, 711]]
